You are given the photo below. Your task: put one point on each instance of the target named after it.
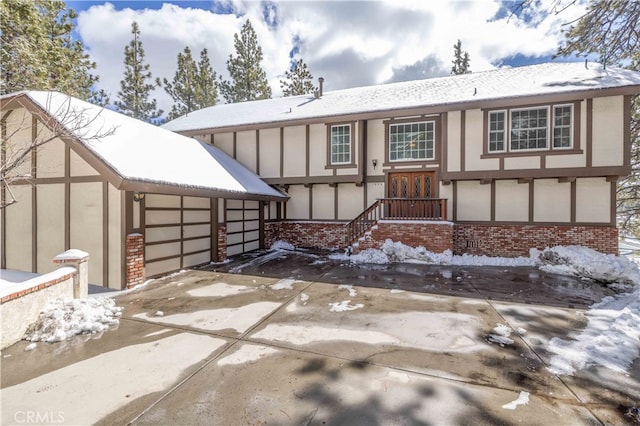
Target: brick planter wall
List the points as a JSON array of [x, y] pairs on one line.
[[434, 236], [516, 240], [134, 252], [325, 235], [222, 242]]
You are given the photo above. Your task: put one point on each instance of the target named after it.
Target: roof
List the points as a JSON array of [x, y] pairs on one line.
[[139, 156], [503, 83]]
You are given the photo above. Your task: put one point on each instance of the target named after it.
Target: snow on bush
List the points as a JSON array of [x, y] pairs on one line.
[[63, 318], [282, 245], [587, 263]]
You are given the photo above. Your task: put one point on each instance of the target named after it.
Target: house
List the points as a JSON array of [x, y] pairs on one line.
[[141, 200], [491, 163]]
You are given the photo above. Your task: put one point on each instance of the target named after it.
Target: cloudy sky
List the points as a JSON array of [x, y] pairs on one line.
[[349, 43]]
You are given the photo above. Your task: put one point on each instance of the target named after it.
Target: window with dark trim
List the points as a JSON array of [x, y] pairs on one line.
[[340, 153], [412, 141], [530, 129]]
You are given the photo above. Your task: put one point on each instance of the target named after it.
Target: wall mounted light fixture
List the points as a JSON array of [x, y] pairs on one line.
[[375, 163], [138, 196]]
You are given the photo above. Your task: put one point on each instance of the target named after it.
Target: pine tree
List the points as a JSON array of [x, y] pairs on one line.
[[460, 60], [193, 86], [609, 29], [38, 52], [298, 80], [134, 88], [248, 79]]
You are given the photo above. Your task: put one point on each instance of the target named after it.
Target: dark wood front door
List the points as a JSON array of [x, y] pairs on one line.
[[411, 185]]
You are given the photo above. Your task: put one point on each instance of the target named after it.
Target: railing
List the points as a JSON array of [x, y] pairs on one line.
[[396, 209]]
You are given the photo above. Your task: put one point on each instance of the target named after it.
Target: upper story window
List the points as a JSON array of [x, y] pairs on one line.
[[530, 129], [340, 144], [411, 141]]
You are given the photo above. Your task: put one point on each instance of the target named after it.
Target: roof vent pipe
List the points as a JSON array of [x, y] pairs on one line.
[[320, 84]]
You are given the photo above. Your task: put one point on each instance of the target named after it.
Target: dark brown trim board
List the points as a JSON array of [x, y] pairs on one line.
[[105, 234], [626, 114], [589, 135], [213, 203], [34, 196], [463, 138]]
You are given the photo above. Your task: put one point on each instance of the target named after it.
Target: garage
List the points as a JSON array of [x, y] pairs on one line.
[[244, 226]]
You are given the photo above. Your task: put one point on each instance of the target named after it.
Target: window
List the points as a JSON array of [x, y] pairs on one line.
[[341, 144], [497, 131], [530, 129], [411, 141], [562, 125]]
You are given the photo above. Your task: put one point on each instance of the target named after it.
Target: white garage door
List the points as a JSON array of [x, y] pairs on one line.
[[177, 233], [243, 226]]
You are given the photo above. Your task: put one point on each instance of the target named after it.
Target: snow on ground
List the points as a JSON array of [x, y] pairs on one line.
[[282, 245], [285, 284], [344, 306], [352, 291], [611, 338], [523, 399], [64, 318], [501, 333]]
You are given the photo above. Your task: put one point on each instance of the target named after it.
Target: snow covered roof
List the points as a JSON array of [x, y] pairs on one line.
[[139, 156], [503, 83]]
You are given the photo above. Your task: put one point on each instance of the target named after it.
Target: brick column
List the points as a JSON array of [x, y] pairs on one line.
[[134, 252], [79, 260]]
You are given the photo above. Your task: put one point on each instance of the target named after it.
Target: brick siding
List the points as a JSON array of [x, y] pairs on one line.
[[435, 237], [516, 240], [324, 235], [134, 252]]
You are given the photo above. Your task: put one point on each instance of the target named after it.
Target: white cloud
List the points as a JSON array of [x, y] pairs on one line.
[[350, 43]]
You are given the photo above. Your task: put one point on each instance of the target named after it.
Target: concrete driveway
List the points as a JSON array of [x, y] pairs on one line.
[[292, 338]]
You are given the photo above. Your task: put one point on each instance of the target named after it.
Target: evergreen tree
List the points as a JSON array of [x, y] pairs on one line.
[[298, 80], [193, 86], [248, 79], [609, 29], [133, 97], [460, 60], [37, 51]]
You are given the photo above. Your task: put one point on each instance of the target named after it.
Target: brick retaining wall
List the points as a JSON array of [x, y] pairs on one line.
[[516, 240], [434, 236], [325, 235]]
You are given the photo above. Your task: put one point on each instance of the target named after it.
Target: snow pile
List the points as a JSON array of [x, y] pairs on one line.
[[344, 306], [587, 263], [523, 399], [611, 338], [352, 291], [282, 245], [285, 284], [398, 252], [501, 335], [64, 318]]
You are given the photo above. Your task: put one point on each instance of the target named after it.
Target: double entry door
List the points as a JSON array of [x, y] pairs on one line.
[[407, 191]]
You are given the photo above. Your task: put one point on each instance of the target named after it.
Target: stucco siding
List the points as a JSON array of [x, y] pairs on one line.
[[18, 230], [566, 161], [323, 202], [516, 163], [446, 191], [86, 224], [298, 204], [269, 153], [375, 147], [593, 198], [246, 149], [512, 201], [18, 131], [50, 156], [224, 141], [350, 201], [453, 141], [50, 226], [79, 167], [318, 150], [552, 201], [608, 131], [115, 238], [473, 201], [474, 140], [375, 190], [196, 202], [295, 151]]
